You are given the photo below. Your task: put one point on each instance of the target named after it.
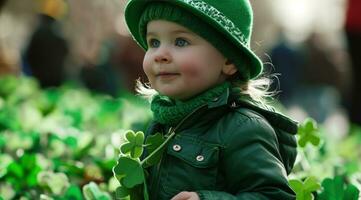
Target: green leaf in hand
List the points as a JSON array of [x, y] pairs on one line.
[[129, 172], [333, 189], [152, 143], [304, 190], [134, 144], [122, 193], [308, 133]]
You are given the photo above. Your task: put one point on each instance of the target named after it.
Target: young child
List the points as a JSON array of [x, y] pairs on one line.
[[228, 144]]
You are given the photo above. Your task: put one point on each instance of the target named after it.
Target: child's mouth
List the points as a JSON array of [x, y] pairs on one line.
[[167, 74]]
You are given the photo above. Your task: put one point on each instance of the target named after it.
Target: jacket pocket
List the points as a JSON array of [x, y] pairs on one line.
[[191, 165]]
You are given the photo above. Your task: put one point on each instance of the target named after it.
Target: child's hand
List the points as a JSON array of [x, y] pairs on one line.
[[186, 196]]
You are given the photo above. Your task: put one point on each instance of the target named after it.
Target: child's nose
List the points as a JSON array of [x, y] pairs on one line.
[[162, 56]]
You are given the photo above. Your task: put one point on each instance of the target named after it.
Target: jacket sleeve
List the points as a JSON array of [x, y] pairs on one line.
[[251, 163]]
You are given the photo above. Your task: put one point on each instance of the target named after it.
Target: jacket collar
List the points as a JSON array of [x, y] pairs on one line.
[[221, 100]]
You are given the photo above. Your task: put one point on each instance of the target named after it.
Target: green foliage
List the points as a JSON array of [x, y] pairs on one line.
[[122, 193], [91, 191], [152, 143], [74, 193], [304, 189], [335, 158], [336, 189], [308, 133], [134, 144], [130, 170], [56, 183], [54, 141]]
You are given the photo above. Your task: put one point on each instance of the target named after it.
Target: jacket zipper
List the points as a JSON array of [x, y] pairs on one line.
[[161, 158]]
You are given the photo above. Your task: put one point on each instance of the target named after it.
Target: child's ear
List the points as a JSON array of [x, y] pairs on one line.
[[229, 68]]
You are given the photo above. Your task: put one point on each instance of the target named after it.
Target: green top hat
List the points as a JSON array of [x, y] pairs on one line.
[[230, 20]]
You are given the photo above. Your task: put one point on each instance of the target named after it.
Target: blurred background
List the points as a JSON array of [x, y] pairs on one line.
[[85, 41]]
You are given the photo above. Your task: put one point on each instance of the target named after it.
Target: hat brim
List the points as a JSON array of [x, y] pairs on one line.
[[135, 8]]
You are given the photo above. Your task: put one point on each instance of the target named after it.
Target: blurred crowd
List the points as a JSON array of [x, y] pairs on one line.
[[314, 48]]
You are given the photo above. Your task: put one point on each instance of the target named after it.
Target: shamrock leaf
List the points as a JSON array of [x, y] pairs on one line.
[[334, 189], [74, 193], [308, 133], [152, 143], [304, 190], [138, 192], [57, 183], [134, 144], [91, 191], [122, 193], [129, 172], [351, 193]]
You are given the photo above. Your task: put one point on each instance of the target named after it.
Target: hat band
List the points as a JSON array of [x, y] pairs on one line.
[[220, 19]]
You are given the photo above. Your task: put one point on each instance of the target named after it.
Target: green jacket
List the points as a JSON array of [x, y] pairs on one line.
[[227, 149]]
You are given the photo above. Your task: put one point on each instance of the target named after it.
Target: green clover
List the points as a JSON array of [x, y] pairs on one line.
[[130, 169], [134, 144], [139, 192], [152, 143], [122, 193], [335, 189], [57, 183], [129, 172], [74, 193], [304, 189], [91, 191], [308, 133]]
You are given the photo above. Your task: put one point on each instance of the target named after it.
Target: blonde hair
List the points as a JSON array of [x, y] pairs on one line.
[[144, 90], [258, 89]]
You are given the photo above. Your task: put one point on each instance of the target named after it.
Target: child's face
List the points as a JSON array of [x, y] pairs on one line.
[[179, 63]]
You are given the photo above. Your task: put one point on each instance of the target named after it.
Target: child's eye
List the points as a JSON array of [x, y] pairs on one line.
[[153, 43], [180, 42]]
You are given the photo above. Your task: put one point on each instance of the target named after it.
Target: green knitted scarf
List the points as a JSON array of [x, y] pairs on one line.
[[171, 112]]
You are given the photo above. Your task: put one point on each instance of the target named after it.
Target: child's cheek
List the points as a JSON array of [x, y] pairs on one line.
[[146, 65], [189, 67]]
